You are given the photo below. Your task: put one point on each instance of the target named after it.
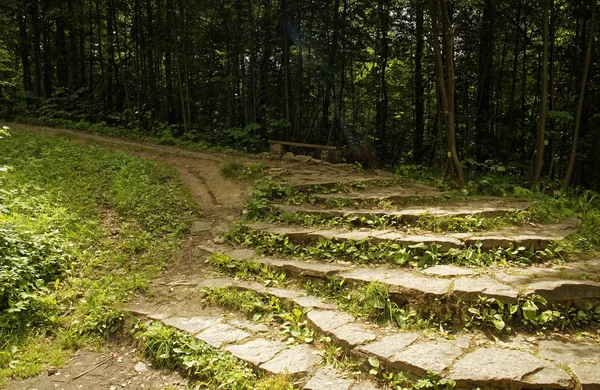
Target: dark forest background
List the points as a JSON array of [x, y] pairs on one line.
[[503, 85]]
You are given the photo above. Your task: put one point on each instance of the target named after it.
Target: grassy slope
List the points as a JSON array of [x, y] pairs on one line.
[[81, 229]]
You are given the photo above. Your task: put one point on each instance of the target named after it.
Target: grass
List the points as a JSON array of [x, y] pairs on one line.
[[81, 230], [237, 170], [206, 366]]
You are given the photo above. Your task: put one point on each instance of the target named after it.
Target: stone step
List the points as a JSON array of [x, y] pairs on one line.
[[308, 182], [470, 359], [413, 213], [576, 283], [401, 193], [530, 237], [256, 344]]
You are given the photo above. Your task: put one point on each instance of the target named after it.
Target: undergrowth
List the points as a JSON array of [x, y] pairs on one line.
[[294, 326], [243, 171], [81, 230], [388, 252], [206, 366]]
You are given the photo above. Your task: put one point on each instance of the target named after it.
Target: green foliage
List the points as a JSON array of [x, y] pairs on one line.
[[207, 366], [240, 171], [27, 264], [257, 306], [364, 251], [532, 312], [81, 230], [246, 269]]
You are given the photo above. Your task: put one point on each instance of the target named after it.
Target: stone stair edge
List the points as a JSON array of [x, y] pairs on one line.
[[442, 281], [361, 340], [302, 361], [412, 213]]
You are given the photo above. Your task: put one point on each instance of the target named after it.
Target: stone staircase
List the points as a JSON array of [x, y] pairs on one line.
[[472, 358]]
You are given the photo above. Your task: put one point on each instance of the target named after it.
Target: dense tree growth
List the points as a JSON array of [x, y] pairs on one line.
[[456, 83]]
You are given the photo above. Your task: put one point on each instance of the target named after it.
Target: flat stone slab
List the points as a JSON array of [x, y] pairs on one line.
[[423, 357], [409, 190], [529, 237], [533, 238], [448, 271], [352, 334], [327, 320], [399, 281], [296, 360], [257, 351], [389, 345], [511, 368], [582, 359], [314, 303], [302, 268], [327, 379], [560, 290], [220, 334], [418, 285], [192, 325], [469, 289], [413, 213]]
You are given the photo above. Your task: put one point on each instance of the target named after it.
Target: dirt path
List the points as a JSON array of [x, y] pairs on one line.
[[222, 201]]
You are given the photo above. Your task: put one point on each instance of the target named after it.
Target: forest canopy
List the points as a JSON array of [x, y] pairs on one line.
[[510, 85]]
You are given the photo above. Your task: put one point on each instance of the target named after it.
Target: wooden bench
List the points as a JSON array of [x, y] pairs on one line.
[[331, 154]]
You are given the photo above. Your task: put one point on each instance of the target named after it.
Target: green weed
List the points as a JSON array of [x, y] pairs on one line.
[[206, 366], [243, 171], [248, 270], [81, 230]]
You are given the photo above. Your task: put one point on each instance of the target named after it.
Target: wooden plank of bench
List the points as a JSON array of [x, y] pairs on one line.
[[300, 145]]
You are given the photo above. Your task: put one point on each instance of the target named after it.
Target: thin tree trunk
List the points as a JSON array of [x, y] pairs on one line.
[[330, 71], [484, 88], [24, 48], [446, 86], [419, 90], [578, 115], [539, 161]]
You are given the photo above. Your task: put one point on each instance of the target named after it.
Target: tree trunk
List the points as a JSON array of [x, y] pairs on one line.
[[445, 85], [330, 71], [419, 88], [578, 115], [382, 96], [539, 161], [484, 135], [24, 48]]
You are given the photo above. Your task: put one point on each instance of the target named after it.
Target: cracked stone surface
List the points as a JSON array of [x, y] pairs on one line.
[[326, 379], [531, 237], [327, 320], [299, 359], [257, 351], [220, 334], [389, 345], [390, 193], [565, 290], [582, 359], [468, 289], [423, 357], [352, 334], [412, 213], [312, 302], [505, 365], [448, 271], [191, 325], [418, 285]]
